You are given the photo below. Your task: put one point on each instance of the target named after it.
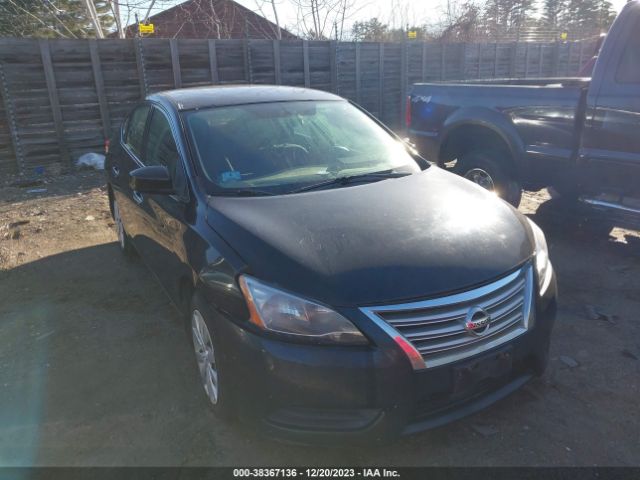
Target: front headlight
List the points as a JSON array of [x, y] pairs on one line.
[[277, 311], [542, 262]]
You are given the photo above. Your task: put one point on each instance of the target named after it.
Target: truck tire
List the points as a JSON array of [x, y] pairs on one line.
[[485, 169], [567, 191]]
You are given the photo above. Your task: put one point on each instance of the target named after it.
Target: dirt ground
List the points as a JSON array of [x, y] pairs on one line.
[[95, 368]]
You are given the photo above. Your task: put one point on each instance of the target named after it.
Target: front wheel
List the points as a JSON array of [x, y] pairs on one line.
[[209, 359], [486, 170]]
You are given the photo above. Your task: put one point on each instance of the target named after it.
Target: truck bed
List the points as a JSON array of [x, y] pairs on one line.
[[543, 115], [533, 82]]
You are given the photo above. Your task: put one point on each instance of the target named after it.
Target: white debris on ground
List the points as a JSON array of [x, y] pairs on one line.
[[91, 160]]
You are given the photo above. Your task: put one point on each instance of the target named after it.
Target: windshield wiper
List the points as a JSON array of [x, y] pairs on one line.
[[242, 192], [347, 179]]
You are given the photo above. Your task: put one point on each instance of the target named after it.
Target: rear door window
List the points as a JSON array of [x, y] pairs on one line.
[[629, 66], [134, 134]]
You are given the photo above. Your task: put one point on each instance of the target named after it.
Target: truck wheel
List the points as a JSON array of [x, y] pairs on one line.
[[484, 169], [568, 192]]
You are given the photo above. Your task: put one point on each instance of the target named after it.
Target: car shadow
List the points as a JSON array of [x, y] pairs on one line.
[[89, 346], [572, 223]]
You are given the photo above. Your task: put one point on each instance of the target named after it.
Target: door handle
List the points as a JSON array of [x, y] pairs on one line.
[[137, 197], [116, 171]]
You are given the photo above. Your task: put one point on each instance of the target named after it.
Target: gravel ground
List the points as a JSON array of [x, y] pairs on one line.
[[95, 368]]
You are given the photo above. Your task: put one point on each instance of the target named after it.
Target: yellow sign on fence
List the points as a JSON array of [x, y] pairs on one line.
[[412, 34], [145, 28]]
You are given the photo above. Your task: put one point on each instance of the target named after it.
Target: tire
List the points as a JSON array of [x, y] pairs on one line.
[[124, 241], [569, 193], [209, 359], [486, 169]]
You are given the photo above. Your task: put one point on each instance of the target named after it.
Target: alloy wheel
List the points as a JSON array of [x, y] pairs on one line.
[[119, 226], [205, 356], [480, 177]]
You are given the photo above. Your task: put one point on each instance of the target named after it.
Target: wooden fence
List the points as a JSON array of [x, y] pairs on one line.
[[62, 98]]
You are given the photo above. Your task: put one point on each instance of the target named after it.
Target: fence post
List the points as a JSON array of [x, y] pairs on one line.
[[512, 60], [213, 61], [526, 60], [276, 62], [11, 117], [358, 72], [540, 60], [463, 61], [333, 60], [246, 58], [581, 60], [305, 63], [479, 70], [381, 79], [556, 60], [52, 89], [99, 81], [569, 53], [175, 63], [495, 60], [403, 81], [424, 61], [443, 62], [142, 73]]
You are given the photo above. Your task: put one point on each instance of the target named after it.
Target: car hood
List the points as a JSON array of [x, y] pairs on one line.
[[399, 239]]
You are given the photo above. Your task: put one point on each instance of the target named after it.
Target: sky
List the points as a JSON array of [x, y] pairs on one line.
[[393, 12], [422, 11]]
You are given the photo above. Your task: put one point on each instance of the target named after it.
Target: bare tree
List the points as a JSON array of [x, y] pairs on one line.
[[124, 11], [401, 13], [274, 8], [115, 10], [317, 18], [460, 22], [93, 15], [275, 15]]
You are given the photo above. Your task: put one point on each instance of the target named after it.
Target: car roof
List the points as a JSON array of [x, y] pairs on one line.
[[225, 95]]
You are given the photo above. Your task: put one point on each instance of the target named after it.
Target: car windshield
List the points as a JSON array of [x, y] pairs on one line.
[[282, 146]]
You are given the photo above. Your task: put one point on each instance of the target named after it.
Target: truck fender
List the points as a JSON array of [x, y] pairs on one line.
[[493, 120]]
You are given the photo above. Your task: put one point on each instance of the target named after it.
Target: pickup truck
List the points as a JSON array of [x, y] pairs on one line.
[[578, 135]]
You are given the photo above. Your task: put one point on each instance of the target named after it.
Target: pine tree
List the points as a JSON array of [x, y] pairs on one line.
[[583, 15], [372, 30], [51, 18], [606, 15], [553, 12], [495, 18], [520, 13], [507, 16]]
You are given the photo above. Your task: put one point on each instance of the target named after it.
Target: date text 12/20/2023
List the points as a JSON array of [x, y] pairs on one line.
[[315, 472]]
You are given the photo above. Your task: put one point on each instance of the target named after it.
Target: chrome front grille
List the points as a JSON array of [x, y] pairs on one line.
[[436, 328]]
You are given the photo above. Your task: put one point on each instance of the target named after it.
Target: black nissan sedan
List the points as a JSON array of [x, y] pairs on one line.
[[335, 284]]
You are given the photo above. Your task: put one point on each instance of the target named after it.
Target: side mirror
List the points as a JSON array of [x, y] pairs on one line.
[[154, 179], [411, 148]]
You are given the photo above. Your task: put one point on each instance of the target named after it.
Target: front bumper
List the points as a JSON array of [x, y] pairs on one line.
[[323, 394]]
